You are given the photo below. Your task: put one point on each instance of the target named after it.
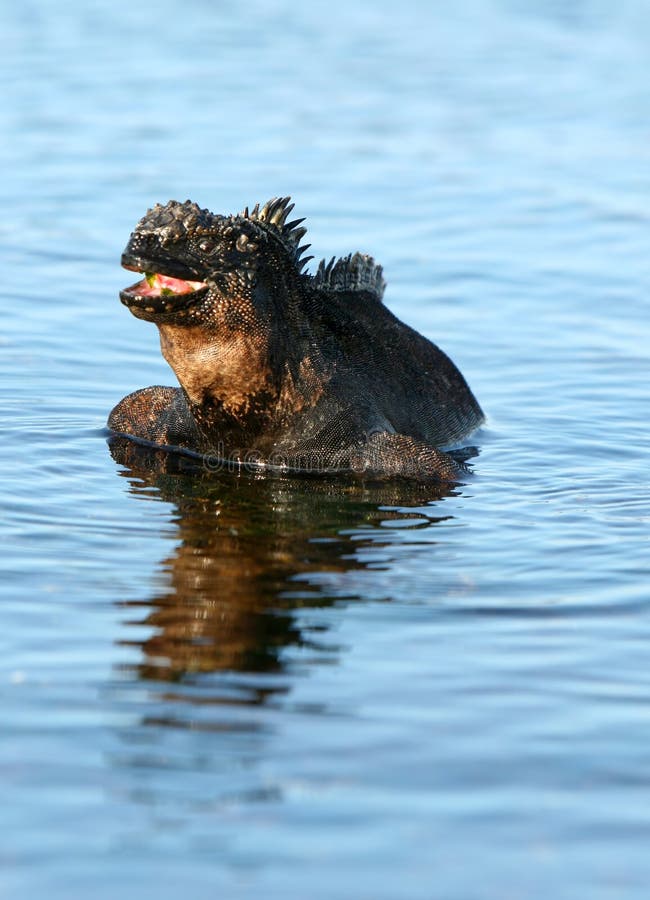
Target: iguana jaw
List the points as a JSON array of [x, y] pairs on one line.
[[165, 289]]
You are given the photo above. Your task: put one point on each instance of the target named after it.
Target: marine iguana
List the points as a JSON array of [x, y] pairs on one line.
[[280, 369]]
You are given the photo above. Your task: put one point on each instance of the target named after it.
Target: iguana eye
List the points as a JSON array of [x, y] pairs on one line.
[[206, 246]]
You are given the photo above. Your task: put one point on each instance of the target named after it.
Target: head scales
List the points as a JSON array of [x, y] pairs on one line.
[[174, 219]]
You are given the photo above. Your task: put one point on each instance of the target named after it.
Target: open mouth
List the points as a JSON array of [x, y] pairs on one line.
[[158, 293]]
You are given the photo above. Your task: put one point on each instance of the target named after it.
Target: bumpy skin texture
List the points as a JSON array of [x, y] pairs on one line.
[[281, 369]]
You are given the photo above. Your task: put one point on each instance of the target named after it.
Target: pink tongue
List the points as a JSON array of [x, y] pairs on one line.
[[160, 283], [177, 285]]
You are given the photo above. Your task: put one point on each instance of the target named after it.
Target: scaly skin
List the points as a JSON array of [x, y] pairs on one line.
[[278, 368]]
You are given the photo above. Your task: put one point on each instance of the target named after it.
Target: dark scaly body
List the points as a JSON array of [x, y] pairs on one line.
[[279, 368]]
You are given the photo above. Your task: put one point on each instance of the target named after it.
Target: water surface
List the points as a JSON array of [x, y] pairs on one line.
[[308, 688]]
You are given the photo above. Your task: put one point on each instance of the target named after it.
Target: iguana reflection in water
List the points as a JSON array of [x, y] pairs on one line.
[[246, 550]]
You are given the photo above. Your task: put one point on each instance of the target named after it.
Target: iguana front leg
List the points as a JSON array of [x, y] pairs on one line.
[[159, 415]]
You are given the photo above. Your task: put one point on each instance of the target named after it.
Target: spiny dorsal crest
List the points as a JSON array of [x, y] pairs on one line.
[[356, 272], [273, 218]]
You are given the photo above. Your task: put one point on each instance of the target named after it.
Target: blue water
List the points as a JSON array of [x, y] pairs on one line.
[[221, 686]]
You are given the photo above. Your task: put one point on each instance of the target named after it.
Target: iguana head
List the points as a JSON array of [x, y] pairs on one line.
[[220, 290], [194, 261]]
